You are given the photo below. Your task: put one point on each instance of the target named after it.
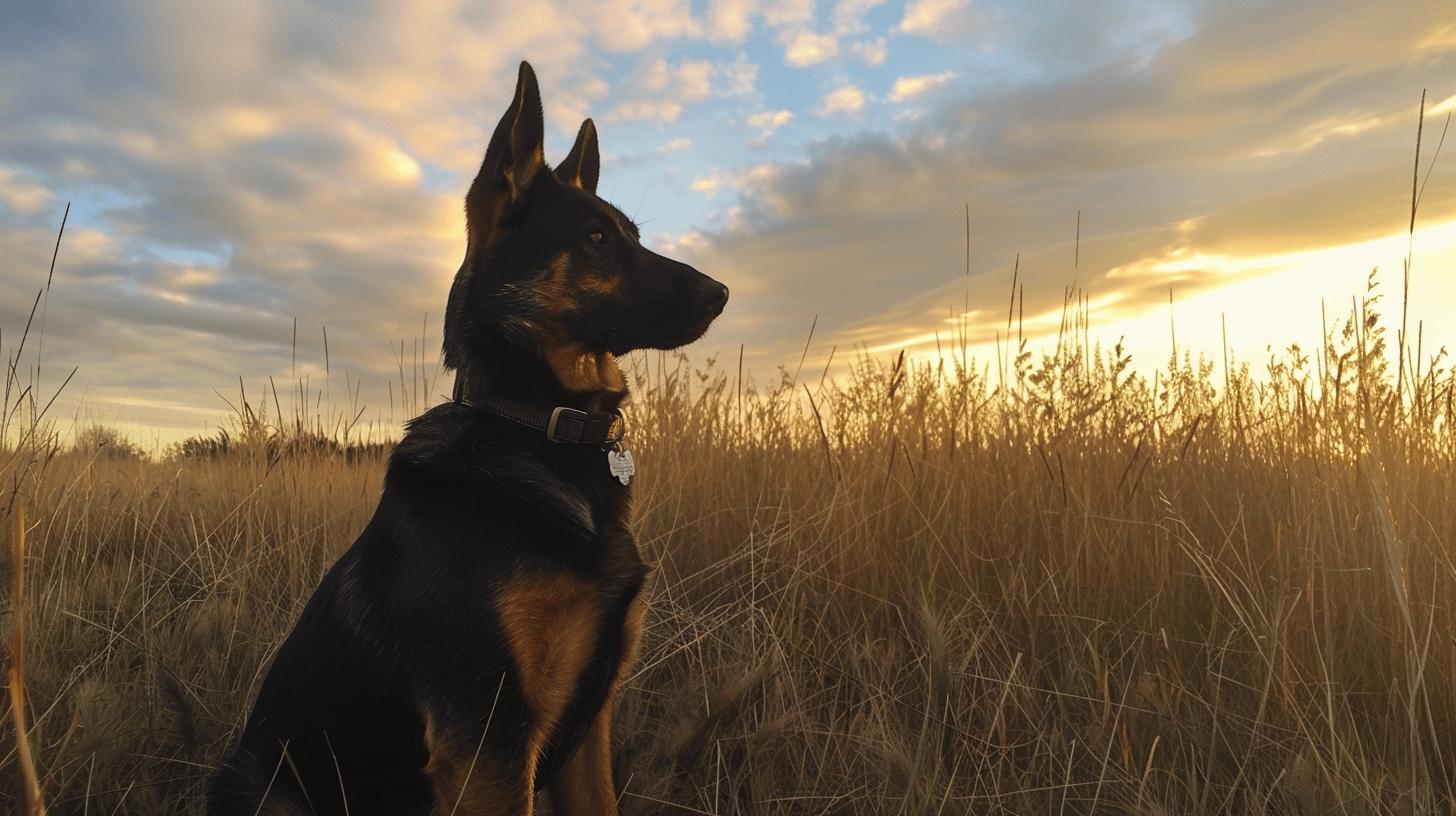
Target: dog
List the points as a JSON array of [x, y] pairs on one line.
[[467, 651]]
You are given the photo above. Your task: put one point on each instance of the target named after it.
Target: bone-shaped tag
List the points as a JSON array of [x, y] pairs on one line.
[[621, 465]]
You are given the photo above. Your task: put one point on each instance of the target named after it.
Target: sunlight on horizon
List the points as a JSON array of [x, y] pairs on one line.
[[241, 180], [1269, 302]]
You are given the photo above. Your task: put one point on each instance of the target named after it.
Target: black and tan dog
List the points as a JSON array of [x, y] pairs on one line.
[[467, 650]]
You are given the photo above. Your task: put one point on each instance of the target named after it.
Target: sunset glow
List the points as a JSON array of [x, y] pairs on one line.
[[234, 172]]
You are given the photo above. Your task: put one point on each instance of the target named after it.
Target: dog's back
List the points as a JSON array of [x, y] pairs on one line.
[[334, 706]]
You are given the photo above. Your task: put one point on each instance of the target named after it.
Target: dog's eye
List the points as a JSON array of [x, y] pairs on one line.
[[597, 236]]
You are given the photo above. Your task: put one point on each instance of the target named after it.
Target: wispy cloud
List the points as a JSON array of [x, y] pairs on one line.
[[911, 87], [768, 121], [788, 13], [21, 195], [871, 52], [808, 48], [848, 16], [659, 90], [673, 146], [1445, 106], [942, 19], [627, 26], [752, 177], [731, 20], [708, 185], [846, 99]]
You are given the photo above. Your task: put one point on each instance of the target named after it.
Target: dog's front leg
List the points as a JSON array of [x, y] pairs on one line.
[[472, 777], [584, 787]]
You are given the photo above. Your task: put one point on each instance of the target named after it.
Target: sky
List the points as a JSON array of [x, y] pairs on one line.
[[234, 170]]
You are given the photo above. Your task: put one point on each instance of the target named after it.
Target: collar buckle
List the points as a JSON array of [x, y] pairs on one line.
[[572, 415]]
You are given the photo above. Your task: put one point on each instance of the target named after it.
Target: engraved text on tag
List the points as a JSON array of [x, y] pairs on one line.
[[620, 462]]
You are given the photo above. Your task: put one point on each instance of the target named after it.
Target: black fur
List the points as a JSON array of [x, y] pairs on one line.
[[404, 625]]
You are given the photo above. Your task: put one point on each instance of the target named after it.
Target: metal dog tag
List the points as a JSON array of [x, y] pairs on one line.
[[621, 465]]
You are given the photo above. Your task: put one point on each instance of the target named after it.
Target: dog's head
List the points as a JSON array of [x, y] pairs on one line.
[[552, 270]]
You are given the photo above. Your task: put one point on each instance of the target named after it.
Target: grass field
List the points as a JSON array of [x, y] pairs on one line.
[[1039, 584]]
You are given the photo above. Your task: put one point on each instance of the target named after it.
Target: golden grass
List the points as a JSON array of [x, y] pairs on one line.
[[15, 676], [1045, 585]]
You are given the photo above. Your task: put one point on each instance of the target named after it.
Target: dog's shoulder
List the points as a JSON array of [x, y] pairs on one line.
[[452, 446], [441, 437]]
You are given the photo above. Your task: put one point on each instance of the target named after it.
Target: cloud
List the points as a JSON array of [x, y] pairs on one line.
[[719, 180], [1165, 153], [708, 185], [808, 48], [21, 195], [692, 80], [642, 110], [846, 99], [848, 16], [231, 167], [731, 20], [736, 77], [768, 121], [871, 52], [1445, 106], [911, 87], [789, 13], [1316, 133], [942, 20], [626, 26], [659, 91], [674, 146]]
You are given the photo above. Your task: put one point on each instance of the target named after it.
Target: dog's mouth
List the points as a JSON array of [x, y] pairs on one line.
[[621, 339]]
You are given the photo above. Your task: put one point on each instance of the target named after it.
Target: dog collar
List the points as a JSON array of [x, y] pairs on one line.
[[561, 424]]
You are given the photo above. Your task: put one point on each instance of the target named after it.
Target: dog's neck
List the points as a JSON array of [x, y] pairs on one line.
[[566, 376]]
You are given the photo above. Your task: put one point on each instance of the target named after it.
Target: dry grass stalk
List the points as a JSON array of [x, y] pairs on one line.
[[15, 676]]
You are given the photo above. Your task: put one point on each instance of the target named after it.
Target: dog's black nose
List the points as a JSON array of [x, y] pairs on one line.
[[714, 295]]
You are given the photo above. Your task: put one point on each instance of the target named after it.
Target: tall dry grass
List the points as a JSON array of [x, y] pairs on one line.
[[1039, 584]]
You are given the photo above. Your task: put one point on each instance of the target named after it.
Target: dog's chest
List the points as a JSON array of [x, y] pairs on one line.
[[572, 636], [552, 625]]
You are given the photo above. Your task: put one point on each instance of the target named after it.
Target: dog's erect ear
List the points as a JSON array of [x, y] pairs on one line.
[[584, 163], [511, 162]]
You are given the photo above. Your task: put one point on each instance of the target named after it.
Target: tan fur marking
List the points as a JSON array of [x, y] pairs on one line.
[[578, 370], [584, 787], [557, 291], [585, 372], [469, 783], [632, 625], [559, 268], [550, 292], [551, 625], [597, 285]]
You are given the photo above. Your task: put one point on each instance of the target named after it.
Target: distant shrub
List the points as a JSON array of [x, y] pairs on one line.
[[274, 446], [201, 447], [108, 443]]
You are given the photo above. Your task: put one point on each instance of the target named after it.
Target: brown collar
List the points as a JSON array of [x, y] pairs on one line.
[[560, 424]]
